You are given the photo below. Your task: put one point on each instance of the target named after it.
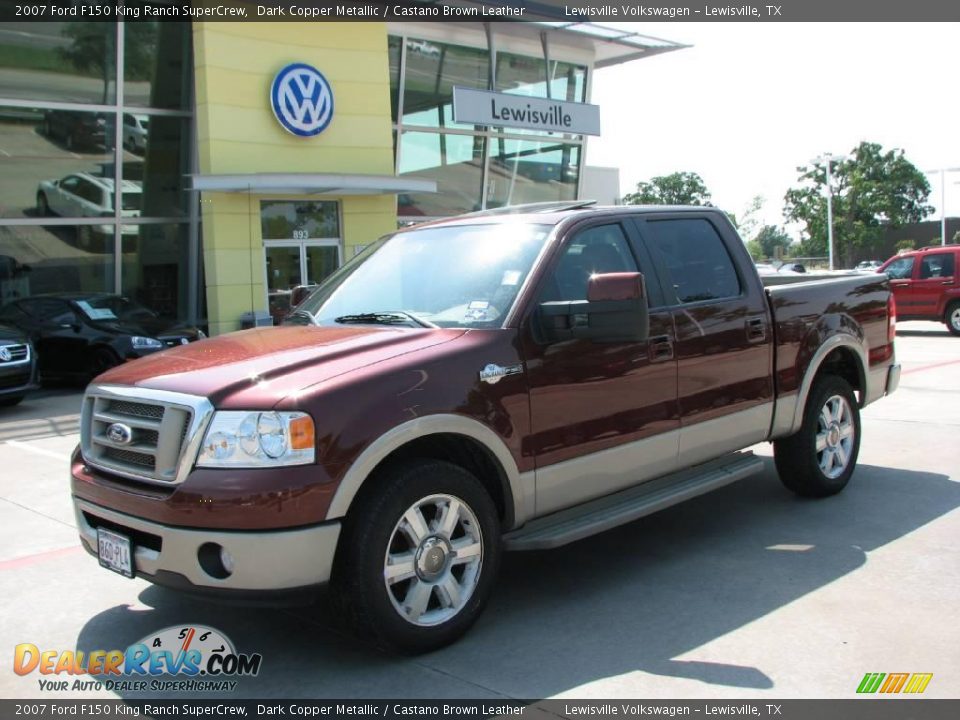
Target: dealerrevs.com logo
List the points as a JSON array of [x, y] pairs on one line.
[[181, 658], [888, 683]]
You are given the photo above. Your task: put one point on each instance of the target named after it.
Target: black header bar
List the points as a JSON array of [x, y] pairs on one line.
[[481, 11]]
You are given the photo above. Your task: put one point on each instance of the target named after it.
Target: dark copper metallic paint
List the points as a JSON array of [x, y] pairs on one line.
[[578, 397]]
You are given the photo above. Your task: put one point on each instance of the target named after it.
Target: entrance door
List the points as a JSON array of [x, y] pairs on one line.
[[301, 242]]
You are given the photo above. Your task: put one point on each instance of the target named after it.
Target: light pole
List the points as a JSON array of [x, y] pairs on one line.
[[829, 158], [943, 199]]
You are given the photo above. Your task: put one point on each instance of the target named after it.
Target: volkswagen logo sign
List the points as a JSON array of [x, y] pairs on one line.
[[5, 354], [302, 100], [120, 434]]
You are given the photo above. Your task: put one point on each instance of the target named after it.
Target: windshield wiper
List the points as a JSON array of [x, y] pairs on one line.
[[303, 314], [390, 317]]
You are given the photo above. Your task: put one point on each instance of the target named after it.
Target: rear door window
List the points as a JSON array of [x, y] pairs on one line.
[[939, 265], [696, 260]]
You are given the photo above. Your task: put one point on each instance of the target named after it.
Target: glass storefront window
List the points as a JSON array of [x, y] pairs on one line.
[[60, 164], [525, 171], [524, 75], [155, 267], [55, 162], [454, 161], [432, 69], [299, 220], [62, 61], [155, 58], [45, 259], [155, 161], [393, 53]]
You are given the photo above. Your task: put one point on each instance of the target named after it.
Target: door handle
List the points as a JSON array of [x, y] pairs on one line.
[[947, 282], [756, 332], [661, 348], [899, 284]]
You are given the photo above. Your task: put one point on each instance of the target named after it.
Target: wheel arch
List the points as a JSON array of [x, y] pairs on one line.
[[841, 355], [453, 438]]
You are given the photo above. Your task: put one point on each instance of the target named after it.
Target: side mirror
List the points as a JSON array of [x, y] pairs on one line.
[[615, 311]]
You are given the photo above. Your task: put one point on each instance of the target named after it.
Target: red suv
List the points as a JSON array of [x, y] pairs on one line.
[[926, 285]]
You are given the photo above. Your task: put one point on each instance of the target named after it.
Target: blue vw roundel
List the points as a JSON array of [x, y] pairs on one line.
[[302, 100]]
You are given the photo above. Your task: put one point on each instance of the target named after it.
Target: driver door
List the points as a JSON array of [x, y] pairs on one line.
[[604, 415]]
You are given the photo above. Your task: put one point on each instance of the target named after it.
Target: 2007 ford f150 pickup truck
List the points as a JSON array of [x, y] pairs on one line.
[[500, 381]]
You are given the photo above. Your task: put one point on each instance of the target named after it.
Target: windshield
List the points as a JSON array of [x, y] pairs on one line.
[[461, 276], [113, 307]]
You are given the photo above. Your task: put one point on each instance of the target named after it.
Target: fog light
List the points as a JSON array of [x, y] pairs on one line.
[[213, 558]]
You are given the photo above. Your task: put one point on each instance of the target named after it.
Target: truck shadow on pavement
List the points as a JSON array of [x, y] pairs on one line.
[[632, 599]]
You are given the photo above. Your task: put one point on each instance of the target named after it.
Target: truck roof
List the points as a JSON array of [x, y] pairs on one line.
[[552, 213]]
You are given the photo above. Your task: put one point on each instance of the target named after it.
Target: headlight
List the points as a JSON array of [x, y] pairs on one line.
[[257, 439], [145, 343]]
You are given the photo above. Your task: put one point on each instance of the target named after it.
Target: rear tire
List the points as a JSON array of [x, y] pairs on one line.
[[952, 318], [418, 556], [11, 401], [101, 360], [818, 460]]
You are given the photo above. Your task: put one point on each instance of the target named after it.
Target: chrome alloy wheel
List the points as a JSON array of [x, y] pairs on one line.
[[433, 560], [835, 436], [955, 318]]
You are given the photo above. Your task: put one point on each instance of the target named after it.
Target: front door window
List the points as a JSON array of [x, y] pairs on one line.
[[302, 247]]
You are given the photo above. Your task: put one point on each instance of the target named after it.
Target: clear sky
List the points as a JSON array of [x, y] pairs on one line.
[[752, 101]]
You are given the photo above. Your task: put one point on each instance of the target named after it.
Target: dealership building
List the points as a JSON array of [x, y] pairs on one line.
[[206, 169]]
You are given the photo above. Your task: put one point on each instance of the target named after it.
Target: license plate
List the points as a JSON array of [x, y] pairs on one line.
[[115, 552]]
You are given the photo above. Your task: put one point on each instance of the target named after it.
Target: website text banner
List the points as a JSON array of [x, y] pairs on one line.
[[528, 710], [554, 11]]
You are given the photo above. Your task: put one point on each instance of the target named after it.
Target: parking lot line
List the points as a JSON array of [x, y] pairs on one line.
[[27, 560], [39, 451], [945, 363]]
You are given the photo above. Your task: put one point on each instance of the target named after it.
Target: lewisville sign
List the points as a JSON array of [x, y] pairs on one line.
[[482, 107]]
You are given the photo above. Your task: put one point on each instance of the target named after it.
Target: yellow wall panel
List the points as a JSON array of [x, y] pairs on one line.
[[231, 267], [235, 64]]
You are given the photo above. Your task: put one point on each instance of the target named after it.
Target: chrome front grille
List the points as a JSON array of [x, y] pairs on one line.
[[147, 435], [19, 353]]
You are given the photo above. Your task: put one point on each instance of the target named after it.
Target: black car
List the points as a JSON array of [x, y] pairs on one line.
[[78, 129], [18, 366], [79, 335]]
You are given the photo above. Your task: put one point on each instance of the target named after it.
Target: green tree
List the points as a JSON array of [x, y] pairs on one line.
[[679, 188], [770, 238], [872, 190], [747, 221], [91, 50]]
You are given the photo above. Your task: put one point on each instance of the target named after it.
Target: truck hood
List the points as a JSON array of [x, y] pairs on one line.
[[260, 367]]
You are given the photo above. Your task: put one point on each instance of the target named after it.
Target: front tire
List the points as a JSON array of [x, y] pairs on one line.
[[418, 556], [818, 460], [101, 360], [11, 400], [952, 318]]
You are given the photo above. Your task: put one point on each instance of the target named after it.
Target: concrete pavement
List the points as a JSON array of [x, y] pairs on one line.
[[746, 592]]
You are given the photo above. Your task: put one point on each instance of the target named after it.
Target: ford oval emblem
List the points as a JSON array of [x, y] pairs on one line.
[[302, 100], [120, 434]]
